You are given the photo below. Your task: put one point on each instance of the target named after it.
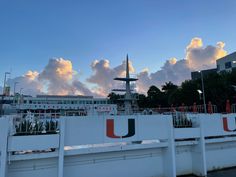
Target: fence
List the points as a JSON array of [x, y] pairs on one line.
[[34, 124]]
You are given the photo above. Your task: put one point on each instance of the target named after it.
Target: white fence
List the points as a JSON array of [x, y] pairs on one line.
[[124, 146]]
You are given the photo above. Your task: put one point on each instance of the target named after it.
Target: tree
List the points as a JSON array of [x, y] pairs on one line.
[[114, 98], [155, 97], [169, 87], [218, 88]]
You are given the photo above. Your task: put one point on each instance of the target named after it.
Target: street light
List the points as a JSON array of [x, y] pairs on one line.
[[3, 92], [200, 93], [21, 90], [4, 84], [15, 83], [203, 92]]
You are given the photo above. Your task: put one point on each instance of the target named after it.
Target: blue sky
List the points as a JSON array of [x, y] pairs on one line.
[[151, 31]]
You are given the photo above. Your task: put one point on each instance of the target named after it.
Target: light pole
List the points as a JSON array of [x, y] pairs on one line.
[[4, 84], [203, 93], [21, 90], [21, 97], [15, 83], [3, 92]]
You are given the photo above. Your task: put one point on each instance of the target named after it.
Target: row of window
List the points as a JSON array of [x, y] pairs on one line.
[[67, 102], [227, 65], [69, 107]]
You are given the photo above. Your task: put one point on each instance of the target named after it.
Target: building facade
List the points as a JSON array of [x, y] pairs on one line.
[[227, 63], [60, 105]]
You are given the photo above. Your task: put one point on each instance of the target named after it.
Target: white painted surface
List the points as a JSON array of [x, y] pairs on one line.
[[197, 155], [34, 142], [92, 130], [186, 133], [4, 129]]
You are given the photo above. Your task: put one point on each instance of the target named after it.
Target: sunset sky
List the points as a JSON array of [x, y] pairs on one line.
[[91, 38]]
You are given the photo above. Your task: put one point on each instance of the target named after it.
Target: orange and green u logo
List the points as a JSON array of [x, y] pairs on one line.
[[226, 126], [110, 129]]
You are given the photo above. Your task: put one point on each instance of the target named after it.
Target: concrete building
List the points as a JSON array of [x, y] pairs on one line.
[[226, 63], [197, 75], [56, 104]]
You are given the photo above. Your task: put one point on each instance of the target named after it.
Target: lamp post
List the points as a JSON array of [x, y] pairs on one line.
[[15, 83], [21, 90], [21, 97], [203, 92], [4, 84], [3, 92]]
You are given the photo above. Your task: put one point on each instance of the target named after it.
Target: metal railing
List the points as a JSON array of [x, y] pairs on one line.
[[28, 127], [180, 120], [233, 108], [170, 110], [33, 124]]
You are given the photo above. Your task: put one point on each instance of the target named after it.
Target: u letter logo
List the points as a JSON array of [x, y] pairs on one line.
[[225, 124], [110, 129]]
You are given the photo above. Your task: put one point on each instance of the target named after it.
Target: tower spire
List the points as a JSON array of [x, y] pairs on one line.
[[128, 95], [127, 66]]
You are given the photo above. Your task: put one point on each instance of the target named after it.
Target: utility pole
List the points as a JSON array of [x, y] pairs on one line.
[[15, 83], [203, 93], [3, 92]]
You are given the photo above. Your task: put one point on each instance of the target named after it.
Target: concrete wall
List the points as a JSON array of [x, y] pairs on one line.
[[210, 145]]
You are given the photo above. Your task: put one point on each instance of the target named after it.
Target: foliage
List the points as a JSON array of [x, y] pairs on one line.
[[218, 88]]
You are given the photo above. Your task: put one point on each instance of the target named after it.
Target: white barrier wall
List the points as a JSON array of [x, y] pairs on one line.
[[209, 145], [95, 130], [4, 129]]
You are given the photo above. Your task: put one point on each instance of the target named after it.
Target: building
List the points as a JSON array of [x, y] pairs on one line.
[[197, 75], [226, 63], [60, 105]]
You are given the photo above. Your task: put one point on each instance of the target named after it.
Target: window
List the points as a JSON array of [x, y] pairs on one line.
[[218, 67], [228, 65]]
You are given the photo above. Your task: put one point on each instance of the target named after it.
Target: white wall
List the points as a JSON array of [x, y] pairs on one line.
[[207, 146]]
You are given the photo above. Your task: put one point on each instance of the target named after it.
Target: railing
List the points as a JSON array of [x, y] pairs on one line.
[[186, 109], [33, 124], [47, 123], [180, 120], [233, 108]]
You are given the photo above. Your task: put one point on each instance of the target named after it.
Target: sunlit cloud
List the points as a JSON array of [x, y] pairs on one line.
[[59, 78]]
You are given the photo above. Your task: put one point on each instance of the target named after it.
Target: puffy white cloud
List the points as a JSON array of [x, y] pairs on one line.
[[172, 70], [58, 76], [28, 82], [200, 57], [103, 76]]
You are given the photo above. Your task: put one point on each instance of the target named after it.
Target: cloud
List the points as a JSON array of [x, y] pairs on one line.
[[28, 82], [103, 76], [200, 57], [173, 70], [59, 78], [57, 75]]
